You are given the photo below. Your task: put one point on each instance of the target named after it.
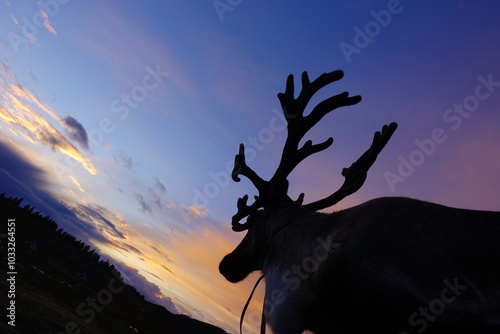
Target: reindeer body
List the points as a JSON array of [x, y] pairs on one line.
[[377, 267], [390, 265]]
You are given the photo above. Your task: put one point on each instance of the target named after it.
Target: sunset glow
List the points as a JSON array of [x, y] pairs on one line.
[[121, 120]]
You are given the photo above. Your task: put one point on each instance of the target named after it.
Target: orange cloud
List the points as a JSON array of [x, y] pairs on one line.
[[185, 268], [46, 22], [77, 184], [196, 264], [20, 109], [198, 211]]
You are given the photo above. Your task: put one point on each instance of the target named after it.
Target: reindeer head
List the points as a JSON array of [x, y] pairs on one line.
[[273, 198]]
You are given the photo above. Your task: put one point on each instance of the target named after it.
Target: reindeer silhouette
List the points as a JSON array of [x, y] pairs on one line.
[[390, 265]]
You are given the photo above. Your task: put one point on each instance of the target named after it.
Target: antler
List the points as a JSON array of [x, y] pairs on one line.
[[297, 126], [355, 175], [241, 168]]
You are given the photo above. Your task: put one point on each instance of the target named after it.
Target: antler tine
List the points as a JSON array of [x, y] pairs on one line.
[[355, 175], [295, 107], [334, 102], [310, 88], [241, 168], [299, 125], [272, 192], [243, 211]]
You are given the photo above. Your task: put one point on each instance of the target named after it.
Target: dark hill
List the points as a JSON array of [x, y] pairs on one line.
[[51, 298]]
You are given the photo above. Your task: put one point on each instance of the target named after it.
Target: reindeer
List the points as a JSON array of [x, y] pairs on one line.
[[389, 265]]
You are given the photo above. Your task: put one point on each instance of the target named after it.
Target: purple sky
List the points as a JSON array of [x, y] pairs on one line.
[[120, 119]]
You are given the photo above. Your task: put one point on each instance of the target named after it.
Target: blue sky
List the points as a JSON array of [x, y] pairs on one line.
[[120, 119]]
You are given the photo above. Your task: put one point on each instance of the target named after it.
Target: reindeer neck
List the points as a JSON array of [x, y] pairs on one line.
[[294, 234]]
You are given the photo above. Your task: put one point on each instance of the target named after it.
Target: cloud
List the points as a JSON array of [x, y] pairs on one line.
[[198, 212], [90, 223], [102, 224], [151, 292], [126, 161], [77, 184], [151, 198], [194, 261], [34, 78], [97, 225], [158, 186], [19, 168], [22, 110], [197, 256], [50, 139], [47, 23], [20, 178], [144, 206], [7, 73], [76, 131], [157, 192], [161, 253], [130, 248]]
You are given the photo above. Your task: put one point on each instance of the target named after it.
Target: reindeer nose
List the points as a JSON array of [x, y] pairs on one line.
[[225, 268], [232, 270]]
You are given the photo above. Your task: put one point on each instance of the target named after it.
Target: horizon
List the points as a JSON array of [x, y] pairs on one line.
[[121, 121]]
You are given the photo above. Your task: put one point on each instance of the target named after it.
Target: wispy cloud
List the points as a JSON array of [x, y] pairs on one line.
[[151, 291], [158, 186], [77, 184], [28, 22], [91, 214], [23, 179], [46, 22], [14, 19], [198, 211], [123, 43], [143, 205], [89, 222], [22, 110], [126, 161]]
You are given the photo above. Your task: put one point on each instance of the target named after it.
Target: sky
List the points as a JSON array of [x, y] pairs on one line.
[[121, 119]]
